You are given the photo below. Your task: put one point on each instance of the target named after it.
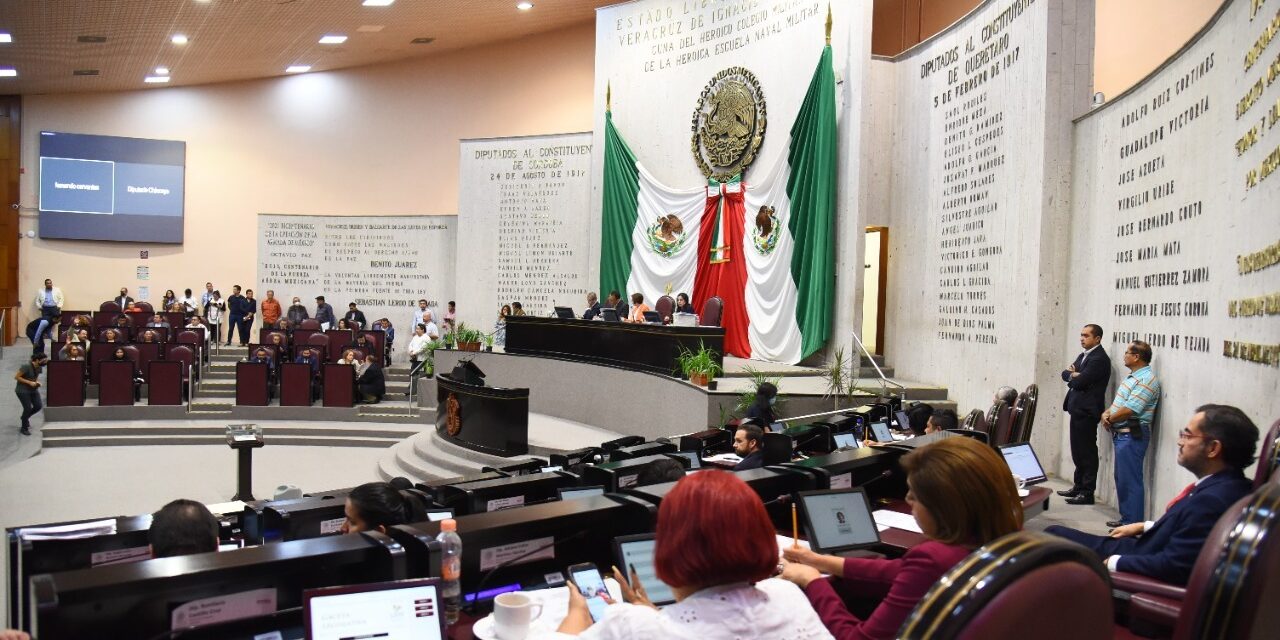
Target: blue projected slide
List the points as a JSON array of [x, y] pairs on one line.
[[109, 188]]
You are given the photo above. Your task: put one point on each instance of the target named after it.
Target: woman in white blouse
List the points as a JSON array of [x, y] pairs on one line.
[[716, 549]]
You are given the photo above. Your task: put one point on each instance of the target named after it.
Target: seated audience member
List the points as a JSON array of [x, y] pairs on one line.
[[682, 303], [761, 410], [362, 342], [371, 384], [119, 355], [343, 324], [182, 527], [748, 441], [194, 324], [278, 341], [716, 549], [111, 335], [638, 307], [374, 506], [659, 471], [122, 322], [918, 418], [593, 307], [307, 356], [349, 358], [262, 356], [149, 337], [941, 420], [962, 497], [82, 322], [614, 299], [1007, 395], [1216, 445], [71, 351], [284, 325]]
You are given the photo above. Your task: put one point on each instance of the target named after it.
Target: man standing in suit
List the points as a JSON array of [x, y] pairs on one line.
[[235, 315], [1086, 380], [123, 300], [1216, 445]]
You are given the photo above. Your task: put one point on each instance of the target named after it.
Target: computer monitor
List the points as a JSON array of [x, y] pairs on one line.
[[694, 462], [401, 609], [1022, 460], [848, 440], [637, 552], [503, 493], [570, 493], [653, 317], [564, 313], [609, 314], [880, 431], [838, 520]]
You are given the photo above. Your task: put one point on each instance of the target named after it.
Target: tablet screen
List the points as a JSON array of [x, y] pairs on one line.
[[692, 456], [582, 492], [838, 519], [880, 431], [846, 440], [1022, 461], [411, 612], [904, 422], [640, 554]]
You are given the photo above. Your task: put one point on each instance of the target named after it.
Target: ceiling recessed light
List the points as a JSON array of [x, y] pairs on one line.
[[378, 3], [178, 39], [85, 72], [8, 73], [91, 39], [298, 68], [524, 6], [333, 39], [162, 71], [422, 41], [370, 28], [156, 79], [6, 37]]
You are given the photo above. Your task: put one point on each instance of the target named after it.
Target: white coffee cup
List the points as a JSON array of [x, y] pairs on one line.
[[513, 613]]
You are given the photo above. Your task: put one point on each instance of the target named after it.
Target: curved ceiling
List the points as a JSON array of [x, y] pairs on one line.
[[69, 46]]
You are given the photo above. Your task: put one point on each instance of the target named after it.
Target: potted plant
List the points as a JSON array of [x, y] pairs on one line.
[[488, 342], [429, 369], [700, 366], [468, 339], [448, 340]]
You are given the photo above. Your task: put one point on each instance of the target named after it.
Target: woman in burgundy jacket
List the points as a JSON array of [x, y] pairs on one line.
[[962, 496]]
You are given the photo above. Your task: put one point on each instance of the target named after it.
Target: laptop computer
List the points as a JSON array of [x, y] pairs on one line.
[[695, 463], [569, 493], [637, 551], [401, 609], [847, 440], [565, 313], [1022, 460], [838, 520], [653, 317], [609, 314]]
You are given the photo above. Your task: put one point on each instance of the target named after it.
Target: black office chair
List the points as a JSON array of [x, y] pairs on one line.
[[777, 448]]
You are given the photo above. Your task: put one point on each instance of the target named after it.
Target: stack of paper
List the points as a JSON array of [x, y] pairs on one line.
[[904, 521]]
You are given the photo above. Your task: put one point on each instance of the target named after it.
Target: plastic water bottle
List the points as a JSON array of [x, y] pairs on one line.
[[450, 569]]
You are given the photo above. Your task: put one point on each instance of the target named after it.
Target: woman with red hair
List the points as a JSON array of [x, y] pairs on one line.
[[716, 548]]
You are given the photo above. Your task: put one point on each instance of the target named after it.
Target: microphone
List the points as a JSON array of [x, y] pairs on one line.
[[506, 563]]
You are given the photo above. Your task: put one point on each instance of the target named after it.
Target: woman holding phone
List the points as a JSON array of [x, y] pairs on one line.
[[716, 549], [962, 496]]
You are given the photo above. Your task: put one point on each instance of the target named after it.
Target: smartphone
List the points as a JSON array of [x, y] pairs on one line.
[[591, 586]]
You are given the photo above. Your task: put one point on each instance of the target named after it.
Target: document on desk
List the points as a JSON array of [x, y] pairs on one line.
[[725, 457], [904, 521]]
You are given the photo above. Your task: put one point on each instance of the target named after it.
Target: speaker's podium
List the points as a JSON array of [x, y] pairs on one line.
[[491, 420], [244, 438]]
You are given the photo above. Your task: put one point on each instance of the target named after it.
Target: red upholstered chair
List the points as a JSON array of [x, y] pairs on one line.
[[976, 421], [187, 356], [1268, 456], [1234, 586], [665, 306], [144, 306], [711, 311], [109, 307], [309, 323], [1024, 585]]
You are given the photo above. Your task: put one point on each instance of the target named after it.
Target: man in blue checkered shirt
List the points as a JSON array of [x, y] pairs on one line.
[[1129, 421]]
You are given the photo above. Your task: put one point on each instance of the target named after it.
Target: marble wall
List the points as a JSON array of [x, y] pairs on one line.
[[1176, 228]]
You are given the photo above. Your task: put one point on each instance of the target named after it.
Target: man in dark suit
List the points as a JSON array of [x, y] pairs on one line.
[[1086, 380], [123, 300], [1216, 445], [372, 383], [236, 310], [355, 315], [748, 442], [593, 306], [614, 299]]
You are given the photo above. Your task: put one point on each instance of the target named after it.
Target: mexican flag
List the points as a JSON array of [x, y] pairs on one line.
[[766, 247]]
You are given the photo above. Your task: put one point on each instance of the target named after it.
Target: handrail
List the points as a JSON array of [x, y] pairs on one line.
[[4, 316], [413, 381], [884, 380]]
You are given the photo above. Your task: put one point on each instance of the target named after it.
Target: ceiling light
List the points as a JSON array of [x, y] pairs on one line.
[[91, 39], [298, 68], [85, 72], [178, 39], [162, 71], [378, 3], [524, 6], [6, 37], [156, 79], [370, 28], [8, 73], [333, 39], [422, 41]]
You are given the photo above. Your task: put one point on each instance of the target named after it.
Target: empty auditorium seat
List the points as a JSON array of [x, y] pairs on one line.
[[711, 311], [1018, 586], [665, 306]]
